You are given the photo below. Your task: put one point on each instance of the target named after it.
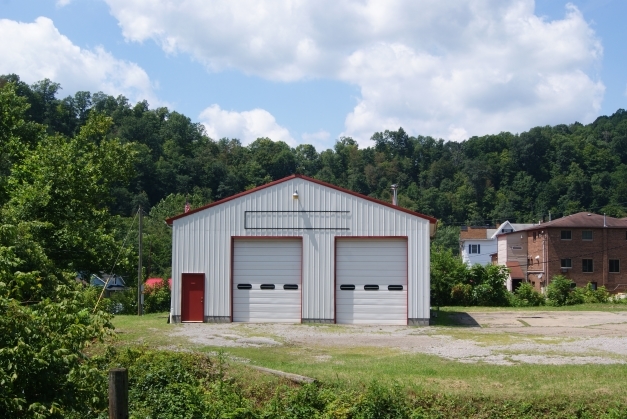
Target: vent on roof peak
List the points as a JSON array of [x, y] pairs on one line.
[[589, 214]]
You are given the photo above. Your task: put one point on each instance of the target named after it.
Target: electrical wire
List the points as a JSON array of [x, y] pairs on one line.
[[116, 261]]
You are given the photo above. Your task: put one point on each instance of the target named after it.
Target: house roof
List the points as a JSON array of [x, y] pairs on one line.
[[476, 233], [583, 220], [514, 226], [489, 232], [170, 220], [515, 270]]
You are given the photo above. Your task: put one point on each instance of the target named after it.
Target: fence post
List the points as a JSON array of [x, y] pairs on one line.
[[118, 393]]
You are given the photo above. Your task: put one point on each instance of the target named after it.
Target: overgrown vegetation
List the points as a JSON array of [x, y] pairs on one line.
[[454, 283], [73, 170], [562, 291]]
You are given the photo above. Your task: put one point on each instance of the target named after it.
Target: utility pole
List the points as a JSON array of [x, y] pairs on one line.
[[139, 267]]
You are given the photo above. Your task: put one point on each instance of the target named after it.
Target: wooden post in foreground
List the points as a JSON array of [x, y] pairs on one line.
[[118, 393]]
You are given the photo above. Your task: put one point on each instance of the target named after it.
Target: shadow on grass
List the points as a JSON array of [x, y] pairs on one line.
[[453, 319]]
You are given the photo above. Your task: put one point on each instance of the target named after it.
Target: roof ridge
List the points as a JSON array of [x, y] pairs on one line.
[[170, 220]]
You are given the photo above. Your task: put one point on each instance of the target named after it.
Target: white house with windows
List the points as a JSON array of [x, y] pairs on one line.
[[478, 244]]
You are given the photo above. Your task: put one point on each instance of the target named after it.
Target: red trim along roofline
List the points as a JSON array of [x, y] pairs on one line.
[[170, 220]]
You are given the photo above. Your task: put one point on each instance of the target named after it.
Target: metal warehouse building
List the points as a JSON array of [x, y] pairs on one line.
[[301, 250]]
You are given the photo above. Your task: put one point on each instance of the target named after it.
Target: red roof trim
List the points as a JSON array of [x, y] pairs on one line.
[[432, 220]]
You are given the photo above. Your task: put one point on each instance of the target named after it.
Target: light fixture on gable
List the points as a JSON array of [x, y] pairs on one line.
[[295, 194]]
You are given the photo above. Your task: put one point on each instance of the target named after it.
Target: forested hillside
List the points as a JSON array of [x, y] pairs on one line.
[[167, 158], [519, 177]]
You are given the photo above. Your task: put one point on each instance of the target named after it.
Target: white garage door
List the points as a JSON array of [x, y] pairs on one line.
[[267, 280], [371, 281]]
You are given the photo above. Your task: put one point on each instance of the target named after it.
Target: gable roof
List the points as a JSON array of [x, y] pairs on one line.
[[170, 220], [583, 220], [513, 226]]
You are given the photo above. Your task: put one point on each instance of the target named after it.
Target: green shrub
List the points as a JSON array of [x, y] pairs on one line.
[[157, 298], [526, 296], [561, 291], [600, 295], [124, 302], [461, 294], [44, 371], [489, 285], [558, 291]]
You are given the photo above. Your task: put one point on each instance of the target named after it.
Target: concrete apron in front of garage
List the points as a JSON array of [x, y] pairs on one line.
[[505, 338]]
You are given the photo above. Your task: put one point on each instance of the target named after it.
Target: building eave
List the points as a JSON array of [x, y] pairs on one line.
[[431, 220]]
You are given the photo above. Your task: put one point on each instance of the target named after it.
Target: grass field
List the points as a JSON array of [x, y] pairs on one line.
[[355, 367]]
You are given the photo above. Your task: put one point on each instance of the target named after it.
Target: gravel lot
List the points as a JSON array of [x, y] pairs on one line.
[[504, 338]]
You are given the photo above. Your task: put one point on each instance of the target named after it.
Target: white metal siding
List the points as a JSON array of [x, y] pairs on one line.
[[271, 261], [362, 262], [202, 243]]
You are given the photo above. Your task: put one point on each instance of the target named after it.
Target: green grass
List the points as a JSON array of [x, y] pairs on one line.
[[151, 330], [355, 367]]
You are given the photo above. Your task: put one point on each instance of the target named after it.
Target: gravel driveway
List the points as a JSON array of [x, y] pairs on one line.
[[505, 338]]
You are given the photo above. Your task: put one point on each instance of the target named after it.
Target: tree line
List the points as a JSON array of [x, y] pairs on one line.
[[168, 159], [521, 177]]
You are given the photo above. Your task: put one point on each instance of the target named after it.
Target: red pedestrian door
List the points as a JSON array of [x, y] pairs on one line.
[[193, 297]]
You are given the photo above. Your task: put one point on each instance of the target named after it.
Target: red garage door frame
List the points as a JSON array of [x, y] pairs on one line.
[[192, 297], [232, 263], [348, 238]]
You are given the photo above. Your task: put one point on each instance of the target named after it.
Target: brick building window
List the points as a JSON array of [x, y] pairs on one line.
[[586, 235], [594, 285], [614, 266], [566, 263], [566, 235], [474, 248], [586, 265]]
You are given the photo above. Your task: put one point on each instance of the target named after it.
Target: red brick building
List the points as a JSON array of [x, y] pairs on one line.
[[584, 247]]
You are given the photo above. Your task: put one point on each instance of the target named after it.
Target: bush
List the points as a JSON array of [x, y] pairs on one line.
[[526, 296], [589, 295], [43, 368], [489, 285], [125, 302], [600, 295], [157, 298], [559, 290], [461, 294]]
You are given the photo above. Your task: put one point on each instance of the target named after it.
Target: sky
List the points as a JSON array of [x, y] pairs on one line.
[[313, 71]]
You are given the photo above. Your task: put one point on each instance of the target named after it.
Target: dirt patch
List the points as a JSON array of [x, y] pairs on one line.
[[532, 338]]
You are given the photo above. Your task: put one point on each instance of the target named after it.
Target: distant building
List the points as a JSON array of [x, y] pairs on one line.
[[584, 247], [479, 244], [111, 283]]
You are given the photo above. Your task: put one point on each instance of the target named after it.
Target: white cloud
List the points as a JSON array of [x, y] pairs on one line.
[[246, 126], [321, 140], [479, 66], [37, 50], [61, 3]]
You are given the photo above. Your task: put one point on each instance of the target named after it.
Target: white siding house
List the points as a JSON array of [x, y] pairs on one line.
[[301, 250], [478, 244]]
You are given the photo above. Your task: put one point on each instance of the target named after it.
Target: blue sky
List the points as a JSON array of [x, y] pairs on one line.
[[309, 72]]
